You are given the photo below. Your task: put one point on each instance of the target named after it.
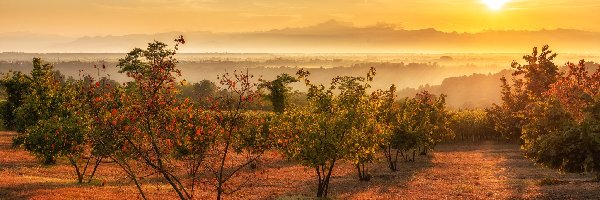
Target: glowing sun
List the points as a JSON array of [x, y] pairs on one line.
[[495, 4]]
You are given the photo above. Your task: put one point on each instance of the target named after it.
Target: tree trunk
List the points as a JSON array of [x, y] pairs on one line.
[[96, 164], [49, 160], [424, 151], [392, 160], [363, 172], [324, 175], [138, 186], [77, 171], [125, 166]]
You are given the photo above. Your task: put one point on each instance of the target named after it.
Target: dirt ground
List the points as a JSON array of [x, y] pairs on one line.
[[486, 170]]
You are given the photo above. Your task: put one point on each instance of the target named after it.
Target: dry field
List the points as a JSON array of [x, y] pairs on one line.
[[476, 171]]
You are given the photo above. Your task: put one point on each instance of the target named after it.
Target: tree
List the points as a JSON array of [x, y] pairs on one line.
[[43, 100], [413, 123], [205, 88], [278, 90], [145, 125], [100, 108], [148, 111], [399, 117], [360, 111], [109, 125], [555, 114], [197, 92], [433, 120], [330, 128], [236, 130], [529, 82], [16, 85], [47, 112], [562, 131]]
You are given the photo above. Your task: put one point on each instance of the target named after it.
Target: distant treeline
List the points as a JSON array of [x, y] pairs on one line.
[[415, 77]]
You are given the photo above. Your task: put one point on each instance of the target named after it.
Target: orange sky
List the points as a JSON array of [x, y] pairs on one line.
[[118, 17]]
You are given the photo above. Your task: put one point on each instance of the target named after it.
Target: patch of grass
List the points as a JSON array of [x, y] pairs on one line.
[[461, 189], [96, 182], [550, 181]]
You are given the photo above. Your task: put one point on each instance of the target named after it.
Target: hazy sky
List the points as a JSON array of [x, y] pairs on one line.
[[118, 17]]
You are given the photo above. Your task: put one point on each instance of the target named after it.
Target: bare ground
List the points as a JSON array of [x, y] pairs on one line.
[[456, 171]]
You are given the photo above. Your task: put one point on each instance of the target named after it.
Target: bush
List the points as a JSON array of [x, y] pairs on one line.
[[419, 122], [16, 86], [555, 114], [332, 127], [473, 125]]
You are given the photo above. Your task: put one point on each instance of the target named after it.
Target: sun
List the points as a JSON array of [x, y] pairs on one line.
[[495, 4]]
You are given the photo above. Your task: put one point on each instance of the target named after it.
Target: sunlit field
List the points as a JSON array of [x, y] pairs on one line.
[[488, 170]]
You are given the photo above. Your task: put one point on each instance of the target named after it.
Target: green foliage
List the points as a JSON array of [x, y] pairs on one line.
[[314, 139], [506, 121], [254, 135], [205, 88], [200, 92], [412, 123], [472, 125], [398, 118], [48, 113], [41, 100], [47, 99], [54, 137], [307, 136], [332, 127], [15, 85], [432, 120], [279, 91]]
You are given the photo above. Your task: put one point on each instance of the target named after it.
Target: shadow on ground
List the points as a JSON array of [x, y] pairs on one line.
[[345, 183], [29, 190], [523, 179]]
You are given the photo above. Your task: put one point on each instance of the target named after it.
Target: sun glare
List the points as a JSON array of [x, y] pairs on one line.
[[495, 4]]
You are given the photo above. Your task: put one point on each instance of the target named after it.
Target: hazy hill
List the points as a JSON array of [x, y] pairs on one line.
[[472, 91], [30, 42], [330, 36]]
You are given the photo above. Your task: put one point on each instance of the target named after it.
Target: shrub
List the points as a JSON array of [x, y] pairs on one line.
[[331, 128]]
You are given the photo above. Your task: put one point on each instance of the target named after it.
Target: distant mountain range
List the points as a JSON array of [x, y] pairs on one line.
[[328, 37]]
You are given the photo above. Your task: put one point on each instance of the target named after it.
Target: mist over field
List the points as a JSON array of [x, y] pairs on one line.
[[469, 80]]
